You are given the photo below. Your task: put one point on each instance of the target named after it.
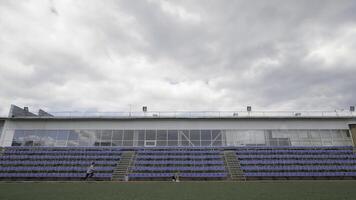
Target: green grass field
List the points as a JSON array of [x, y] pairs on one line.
[[301, 190]]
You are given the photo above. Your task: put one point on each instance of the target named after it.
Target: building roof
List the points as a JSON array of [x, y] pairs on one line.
[[24, 113]]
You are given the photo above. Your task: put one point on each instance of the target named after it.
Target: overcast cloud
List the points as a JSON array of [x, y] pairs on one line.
[[177, 55]]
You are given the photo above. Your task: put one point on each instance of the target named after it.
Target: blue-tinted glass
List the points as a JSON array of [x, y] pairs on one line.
[[194, 134], [62, 134]]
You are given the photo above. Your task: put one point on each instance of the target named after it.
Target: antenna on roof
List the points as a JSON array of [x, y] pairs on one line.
[[249, 108]]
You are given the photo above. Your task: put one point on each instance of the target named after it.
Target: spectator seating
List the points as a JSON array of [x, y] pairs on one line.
[[297, 162], [57, 163], [186, 163]]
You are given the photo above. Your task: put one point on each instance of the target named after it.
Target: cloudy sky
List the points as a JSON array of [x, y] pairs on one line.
[[95, 55]]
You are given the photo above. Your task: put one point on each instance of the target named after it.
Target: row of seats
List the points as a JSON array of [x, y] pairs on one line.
[[57, 163], [195, 168], [301, 162], [62, 152], [164, 157], [297, 161], [300, 174], [288, 147], [26, 148], [301, 156], [181, 175], [53, 168], [313, 151], [54, 175], [190, 163], [298, 167], [177, 152], [61, 157], [179, 162]]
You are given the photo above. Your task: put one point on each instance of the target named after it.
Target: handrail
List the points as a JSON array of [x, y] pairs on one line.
[[202, 114]]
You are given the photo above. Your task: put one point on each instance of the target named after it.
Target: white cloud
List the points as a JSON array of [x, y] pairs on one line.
[[181, 55], [338, 50]]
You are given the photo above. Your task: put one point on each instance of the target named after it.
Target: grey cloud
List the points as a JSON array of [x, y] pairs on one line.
[[177, 54]]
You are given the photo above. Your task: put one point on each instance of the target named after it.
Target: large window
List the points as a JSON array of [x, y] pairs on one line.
[[193, 137]]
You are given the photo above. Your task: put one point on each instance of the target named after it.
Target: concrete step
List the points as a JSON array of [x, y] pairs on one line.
[[233, 165], [123, 166]]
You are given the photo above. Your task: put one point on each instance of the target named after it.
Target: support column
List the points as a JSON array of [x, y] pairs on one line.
[[353, 134]]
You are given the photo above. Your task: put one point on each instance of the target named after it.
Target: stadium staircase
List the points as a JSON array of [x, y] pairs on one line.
[[234, 167], [123, 166]]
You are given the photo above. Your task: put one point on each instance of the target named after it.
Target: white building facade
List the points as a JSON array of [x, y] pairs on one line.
[[178, 129]]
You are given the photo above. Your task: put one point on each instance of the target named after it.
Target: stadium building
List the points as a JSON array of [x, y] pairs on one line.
[[241, 145]]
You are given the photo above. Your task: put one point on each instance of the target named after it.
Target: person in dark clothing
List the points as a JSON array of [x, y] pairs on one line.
[[90, 171]]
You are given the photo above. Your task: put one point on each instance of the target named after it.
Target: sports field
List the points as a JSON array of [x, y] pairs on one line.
[[300, 190]]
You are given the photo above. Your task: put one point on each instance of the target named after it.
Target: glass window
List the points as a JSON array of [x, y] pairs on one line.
[[117, 143], [98, 135], [161, 143], [195, 143], [17, 143], [19, 135], [325, 134], [336, 134], [72, 143], [206, 135], [85, 138], [150, 134], [73, 135], [203, 137], [162, 135], [105, 143], [62, 134], [206, 143], [185, 143], [141, 143], [217, 143], [172, 135], [38, 143], [127, 143], [128, 135], [106, 135], [172, 143], [184, 137], [303, 134], [141, 135], [49, 137], [194, 134], [315, 134], [31, 135], [216, 135], [172, 138], [19, 138], [117, 135]]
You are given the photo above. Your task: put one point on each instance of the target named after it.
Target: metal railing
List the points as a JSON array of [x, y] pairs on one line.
[[204, 114]]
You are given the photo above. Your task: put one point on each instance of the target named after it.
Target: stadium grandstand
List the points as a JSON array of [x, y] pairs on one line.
[[132, 146]]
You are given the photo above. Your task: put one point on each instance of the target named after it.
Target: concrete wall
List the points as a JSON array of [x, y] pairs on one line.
[[252, 123], [1, 127], [255, 124]]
